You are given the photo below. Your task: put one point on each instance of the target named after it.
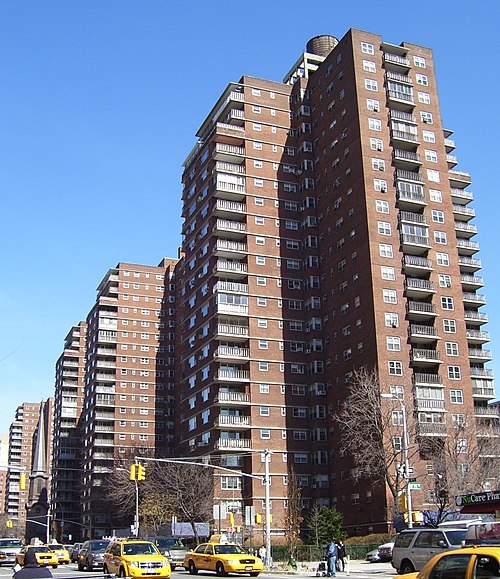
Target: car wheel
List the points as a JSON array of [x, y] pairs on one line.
[[192, 567], [54, 566], [90, 567], [219, 569], [406, 567], [254, 574]]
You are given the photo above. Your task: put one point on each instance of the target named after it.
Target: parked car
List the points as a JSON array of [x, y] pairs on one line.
[[135, 558], [385, 552], [91, 554], [465, 563], [373, 556], [73, 552], [10, 548], [173, 549], [414, 547], [222, 558]]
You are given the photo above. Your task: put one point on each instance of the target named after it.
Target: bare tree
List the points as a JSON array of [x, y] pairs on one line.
[[460, 463], [293, 515], [155, 510], [368, 428]]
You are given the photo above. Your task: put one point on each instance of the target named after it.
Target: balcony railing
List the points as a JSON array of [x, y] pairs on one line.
[[232, 330], [236, 421], [424, 355], [235, 309], [486, 411], [431, 428], [480, 354], [238, 397], [427, 379], [416, 261], [408, 175], [478, 335], [229, 286], [231, 266], [231, 352], [419, 284], [474, 298], [422, 308], [225, 245], [230, 374], [232, 443], [482, 391], [429, 404], [396, 59], [476, 372], [225, 224], [225, 205]]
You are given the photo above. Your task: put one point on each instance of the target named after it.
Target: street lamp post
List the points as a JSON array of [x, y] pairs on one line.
[[406, 453]]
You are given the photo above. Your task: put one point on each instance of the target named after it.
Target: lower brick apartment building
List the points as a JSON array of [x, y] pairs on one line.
[[325, 229]]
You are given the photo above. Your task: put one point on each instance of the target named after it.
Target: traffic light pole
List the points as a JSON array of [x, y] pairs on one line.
[[136, 521]]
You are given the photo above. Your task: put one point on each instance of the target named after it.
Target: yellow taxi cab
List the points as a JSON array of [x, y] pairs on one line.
[[61, 552], [44, 556], [465, 563], [135, 558], [223, 558]]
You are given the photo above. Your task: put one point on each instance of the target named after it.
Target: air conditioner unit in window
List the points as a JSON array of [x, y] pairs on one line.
[[383, 190]]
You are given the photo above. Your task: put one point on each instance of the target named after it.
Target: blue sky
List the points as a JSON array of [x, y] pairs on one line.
[[100, 103]]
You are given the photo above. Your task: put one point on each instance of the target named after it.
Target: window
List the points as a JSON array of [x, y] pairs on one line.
[[263, 344], [426, 117], [451, 348], [393, 343], [388, 273], [263, 366], [229, 483], [391, 320], [419, 61], [435, 195], [371, 84], [374, 124], [457, 396], [378, 164], [262, 302], [442, 259], [264, 411], [258, 182], [262, 323], [373, 105], [390, 296], [454, 372], [259, 220], [424, 98], [385, 250], [447, 303], [450, 326], [260, 260], [367, 48], [422, 79], [437, 216], [380, 185], [429, 137], [433, 175], [369, 66], [384, 227], [444, 280], [440, 237], [431, 156], [264, 388], [395, 368], [381, 206]]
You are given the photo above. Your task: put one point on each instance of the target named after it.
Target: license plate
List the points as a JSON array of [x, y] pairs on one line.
[[248, 568]]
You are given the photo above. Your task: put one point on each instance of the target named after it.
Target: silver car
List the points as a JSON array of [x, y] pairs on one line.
[[10, 548]]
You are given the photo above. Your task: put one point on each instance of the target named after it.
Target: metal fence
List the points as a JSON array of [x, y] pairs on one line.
[[308, 553]]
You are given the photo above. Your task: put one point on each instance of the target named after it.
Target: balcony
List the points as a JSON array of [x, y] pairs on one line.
[[104, 400], [232, 398], [418, 288], [106, 336], [401, 100], [231, 209], [423, 357], [396, 62], [410, 200], [471, 283], [225, 189], [460, 196], [108, 376], [102, 389], [229, 168], [420, 310], [224, 421], [473, 299], [469, 264], [427, 379], [463, 213], [466, 247], [480, 355], [459, 179], [486, 411], [230, 268], [398, 77], [226, 248], [431, 429], [232, 375], [105, 363], [452, 161], [229, 286], [422, 334], [473, 318], [449, 144], [103, 441], [230, 132], [232, 443], [234, 309], [483, 393], [404, 139], [233, 229], [229, 153], [429, 404], [478, 372], [231, 353], [465, 230], [477, 337], [232, 330], [414, 244], [406, 159], [415, 265]]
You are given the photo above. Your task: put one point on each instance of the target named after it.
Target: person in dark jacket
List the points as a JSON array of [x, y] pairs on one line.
[[31, 569]]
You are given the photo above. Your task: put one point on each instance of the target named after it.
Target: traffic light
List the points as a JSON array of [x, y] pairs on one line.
[[8, 524], [403, 505], [133, 472], [141, 472], [22, 482], [231, 519], [258, 518]]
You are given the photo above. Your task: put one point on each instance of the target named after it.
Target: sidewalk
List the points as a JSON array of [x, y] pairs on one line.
[[353, 567]]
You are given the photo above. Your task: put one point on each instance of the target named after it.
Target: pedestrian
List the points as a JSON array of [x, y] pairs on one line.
[[31, 568], [331, 557], [263, 553], [341, 554]]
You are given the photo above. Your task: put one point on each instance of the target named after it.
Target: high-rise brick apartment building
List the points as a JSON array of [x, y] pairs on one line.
[[128, 398], [326, 229]]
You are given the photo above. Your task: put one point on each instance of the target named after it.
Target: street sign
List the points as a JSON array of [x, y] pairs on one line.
[[412, 480], [410, 471], [414, 487]]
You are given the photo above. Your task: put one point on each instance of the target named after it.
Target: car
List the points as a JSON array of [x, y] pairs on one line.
[[44, 556], [222, 558], [385, 552], [9, 548], [373, 556], [135, 558], [173, 549], [414, 547], [73, 552], [91, 555], [465, 563], [61, 552]]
